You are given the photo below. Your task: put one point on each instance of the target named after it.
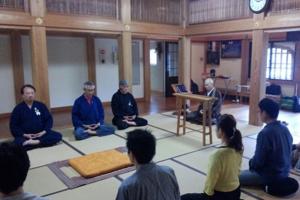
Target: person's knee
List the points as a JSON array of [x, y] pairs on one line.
[[122, 126], [80, 134], [283, 187], [141, 122]]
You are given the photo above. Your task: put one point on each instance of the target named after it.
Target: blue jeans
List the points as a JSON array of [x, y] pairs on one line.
[[251, 178], [102, 130]]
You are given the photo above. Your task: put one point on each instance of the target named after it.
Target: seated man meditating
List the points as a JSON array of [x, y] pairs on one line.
[[88, 115], [125, 109], [31, 122], [271, 163], [196, 116]]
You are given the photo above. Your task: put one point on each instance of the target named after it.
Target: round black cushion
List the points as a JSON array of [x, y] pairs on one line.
[[282, 187]]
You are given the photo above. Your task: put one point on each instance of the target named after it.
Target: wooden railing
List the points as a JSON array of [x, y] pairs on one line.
[[156, 11], [201, 11], [284, 7], [14, 5], [103, 8]]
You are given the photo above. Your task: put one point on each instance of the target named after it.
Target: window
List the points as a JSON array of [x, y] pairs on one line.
[[153, 57], [280, 61]]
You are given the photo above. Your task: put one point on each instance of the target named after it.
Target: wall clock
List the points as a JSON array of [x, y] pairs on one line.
[[259, 6]]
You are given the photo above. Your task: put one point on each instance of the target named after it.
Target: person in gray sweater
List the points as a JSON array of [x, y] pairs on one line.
[[150, 181], [14, 162]]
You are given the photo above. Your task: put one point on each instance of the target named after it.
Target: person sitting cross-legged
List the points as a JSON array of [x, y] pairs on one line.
[[125, 109], [14, 162], [212, 91], [150, 181], [88, 115], [270, 166], [31, 122]]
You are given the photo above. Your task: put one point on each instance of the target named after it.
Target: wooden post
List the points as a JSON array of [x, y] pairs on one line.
[[147, 82], [258, 74], [91, 60], [38, 8], [125, 58], [125, 45], [245, 61], [184, 75], [40, 64], [17, 63]]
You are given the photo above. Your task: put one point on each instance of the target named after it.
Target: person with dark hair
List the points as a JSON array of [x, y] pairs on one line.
[[14, 164], [222, 182], [125, 109], [31, 122], [88, 115], [196, 116], [271, 162], [150, 181]]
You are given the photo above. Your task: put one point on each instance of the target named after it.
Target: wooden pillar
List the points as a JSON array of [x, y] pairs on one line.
[[91, 60], [40, 63], [147, 72], [125, 45], [184, 75], [245, 61], [258, 74], [37, 8], [39, 52], [17, 63]]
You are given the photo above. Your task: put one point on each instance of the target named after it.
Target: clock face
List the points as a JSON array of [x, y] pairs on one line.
[[258, 6]]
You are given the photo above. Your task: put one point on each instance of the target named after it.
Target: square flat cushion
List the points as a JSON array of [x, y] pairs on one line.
[[100, 163]]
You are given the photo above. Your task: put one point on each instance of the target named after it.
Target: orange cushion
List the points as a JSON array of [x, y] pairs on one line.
[[95, 164]]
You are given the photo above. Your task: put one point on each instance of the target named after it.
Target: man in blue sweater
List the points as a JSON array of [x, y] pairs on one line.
[[125, 109], [272, 159], [31, 122], [88, 115]]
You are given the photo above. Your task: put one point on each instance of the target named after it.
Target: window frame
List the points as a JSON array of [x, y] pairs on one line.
[[269, 62]]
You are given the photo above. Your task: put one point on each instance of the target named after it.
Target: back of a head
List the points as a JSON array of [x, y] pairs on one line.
[[227, 124], [270, 107], [14, 164], [141, 143]]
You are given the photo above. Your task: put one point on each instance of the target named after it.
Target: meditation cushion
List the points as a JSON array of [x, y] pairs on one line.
[[99, 163]]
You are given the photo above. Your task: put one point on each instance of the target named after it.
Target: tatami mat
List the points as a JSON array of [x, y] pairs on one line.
[[158, 133], [42, 181], [163, 122], [177, 145], [95, 143], [184, 153], [199, 160], [43, 156], [102, 190], [249, 147]]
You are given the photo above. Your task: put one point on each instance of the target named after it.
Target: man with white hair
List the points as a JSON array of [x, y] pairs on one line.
[[88, 115], [211, 91]]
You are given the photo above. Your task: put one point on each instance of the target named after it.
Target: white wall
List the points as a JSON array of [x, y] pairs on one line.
[[138, 90], [107, 74], [231, 67], [26, 53], [157, 72], [67, 69], [7, 97], [197, 63]]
